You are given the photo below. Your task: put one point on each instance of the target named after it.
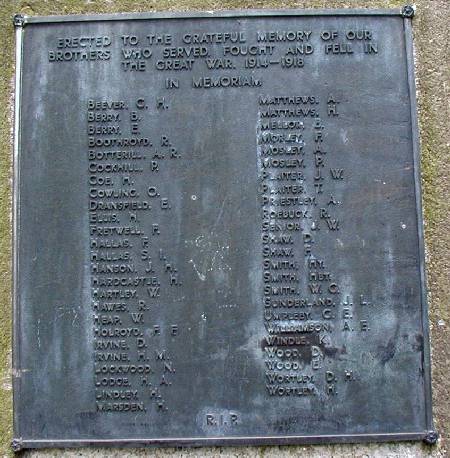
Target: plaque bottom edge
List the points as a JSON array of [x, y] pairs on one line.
[[20, 444]]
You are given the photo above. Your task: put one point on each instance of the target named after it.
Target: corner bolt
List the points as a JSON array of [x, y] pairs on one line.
[[16, 445], [408, 11], [431, 438], [19, 20]]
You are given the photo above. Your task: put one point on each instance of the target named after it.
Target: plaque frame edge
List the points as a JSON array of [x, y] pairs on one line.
[[19, 22], [199, 14], [430, 436], [224, 441]]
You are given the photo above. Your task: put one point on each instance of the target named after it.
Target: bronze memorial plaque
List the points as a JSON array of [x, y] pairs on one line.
[[218, 230]]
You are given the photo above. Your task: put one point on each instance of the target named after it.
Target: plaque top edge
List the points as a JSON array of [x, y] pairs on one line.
[[21, 20]]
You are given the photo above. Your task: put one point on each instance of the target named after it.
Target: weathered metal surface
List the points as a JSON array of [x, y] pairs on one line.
[[218, 230]]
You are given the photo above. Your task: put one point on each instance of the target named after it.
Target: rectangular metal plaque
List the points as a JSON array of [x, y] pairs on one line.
[[218, 230]]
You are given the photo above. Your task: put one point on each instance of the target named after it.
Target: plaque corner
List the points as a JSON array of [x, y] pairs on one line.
[[408, 11], [431, 437], [19, 20], [17, 444]]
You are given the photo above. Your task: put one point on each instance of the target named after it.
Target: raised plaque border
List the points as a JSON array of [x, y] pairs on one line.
[[428, 436]]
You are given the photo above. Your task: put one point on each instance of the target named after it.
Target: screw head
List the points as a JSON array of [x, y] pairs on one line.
[[19, 20], [408, 11], [431, 438], [16, 445]]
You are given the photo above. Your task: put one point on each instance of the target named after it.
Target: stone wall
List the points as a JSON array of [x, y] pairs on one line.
[[432, 44]]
